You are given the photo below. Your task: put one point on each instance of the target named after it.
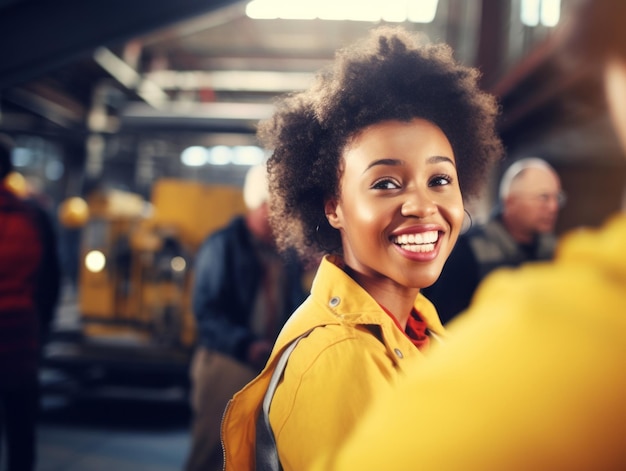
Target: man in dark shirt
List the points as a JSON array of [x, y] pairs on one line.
[[244, 291]]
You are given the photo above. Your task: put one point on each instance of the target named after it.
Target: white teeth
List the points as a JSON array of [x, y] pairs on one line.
[[424, 241], [419, 248]]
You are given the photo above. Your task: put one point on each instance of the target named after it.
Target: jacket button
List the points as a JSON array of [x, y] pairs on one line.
[[334, 301], [398, 353]]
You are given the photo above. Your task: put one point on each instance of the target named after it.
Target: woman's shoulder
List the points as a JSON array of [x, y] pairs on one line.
[[339, 347]]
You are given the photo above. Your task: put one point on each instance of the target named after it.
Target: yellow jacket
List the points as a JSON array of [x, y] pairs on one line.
[[355, 352], [532, 376]]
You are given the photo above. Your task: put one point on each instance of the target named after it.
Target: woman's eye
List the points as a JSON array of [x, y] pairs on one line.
[[385, 184], [440, 180]]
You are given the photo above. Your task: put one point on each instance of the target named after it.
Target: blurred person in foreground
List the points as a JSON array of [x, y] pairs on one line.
[[244, 291], [369, 167], [532, 376], [521, 230], [20, 327]]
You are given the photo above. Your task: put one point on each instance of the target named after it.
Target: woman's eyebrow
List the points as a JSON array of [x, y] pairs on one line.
[[387, 162], [439, 158]]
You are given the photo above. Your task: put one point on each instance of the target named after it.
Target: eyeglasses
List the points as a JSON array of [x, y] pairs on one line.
[[546, 198]]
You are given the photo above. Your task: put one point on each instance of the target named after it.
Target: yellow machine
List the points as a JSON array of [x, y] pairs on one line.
[[136, 274]]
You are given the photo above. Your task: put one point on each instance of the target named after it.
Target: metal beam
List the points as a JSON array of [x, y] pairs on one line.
[[37, 36]]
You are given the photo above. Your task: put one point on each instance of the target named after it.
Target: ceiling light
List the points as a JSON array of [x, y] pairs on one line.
[[194, 156], [418, 11]]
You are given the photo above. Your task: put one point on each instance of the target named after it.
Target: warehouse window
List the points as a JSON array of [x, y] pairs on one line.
[[540, 12]]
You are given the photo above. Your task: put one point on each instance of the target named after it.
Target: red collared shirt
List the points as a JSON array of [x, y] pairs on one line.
[[416, 329]]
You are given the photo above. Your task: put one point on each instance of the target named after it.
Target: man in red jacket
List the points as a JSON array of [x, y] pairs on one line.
[[20, 255]]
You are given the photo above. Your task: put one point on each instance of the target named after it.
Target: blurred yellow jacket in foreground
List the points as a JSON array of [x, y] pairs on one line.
[[532, 377]]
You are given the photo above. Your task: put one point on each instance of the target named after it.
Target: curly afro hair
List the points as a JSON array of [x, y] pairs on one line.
[[390, 75]]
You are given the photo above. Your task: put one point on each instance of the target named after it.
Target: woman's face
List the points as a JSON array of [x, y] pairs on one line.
[[400, 208]]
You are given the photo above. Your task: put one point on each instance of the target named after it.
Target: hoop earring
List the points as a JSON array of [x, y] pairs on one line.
[[320, 236], [467, 222]]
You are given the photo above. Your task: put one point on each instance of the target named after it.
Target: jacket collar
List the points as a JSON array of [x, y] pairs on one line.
[[341, 300]]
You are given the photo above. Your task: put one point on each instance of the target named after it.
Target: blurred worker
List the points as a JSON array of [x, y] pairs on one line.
[[48, 290], [244, 292], [20, 257], [521, 230], [532, 376]]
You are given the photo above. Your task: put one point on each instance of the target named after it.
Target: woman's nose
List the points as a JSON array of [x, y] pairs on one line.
[[418, 204]]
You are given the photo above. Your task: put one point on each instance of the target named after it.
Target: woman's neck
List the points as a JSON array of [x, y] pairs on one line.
[[398, 300]]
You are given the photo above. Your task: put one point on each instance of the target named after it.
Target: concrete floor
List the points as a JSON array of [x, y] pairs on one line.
[[112, 435], [117, 431]]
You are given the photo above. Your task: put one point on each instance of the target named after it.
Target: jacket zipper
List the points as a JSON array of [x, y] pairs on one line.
[[226, 410]]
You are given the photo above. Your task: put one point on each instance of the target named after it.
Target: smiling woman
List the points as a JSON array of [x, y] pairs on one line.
[[368, 171], [398, 217]]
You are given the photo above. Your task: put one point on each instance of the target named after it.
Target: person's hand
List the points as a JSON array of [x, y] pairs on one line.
[[258, 353]]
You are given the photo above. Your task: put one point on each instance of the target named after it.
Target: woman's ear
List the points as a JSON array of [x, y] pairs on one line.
[[330, 209]]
